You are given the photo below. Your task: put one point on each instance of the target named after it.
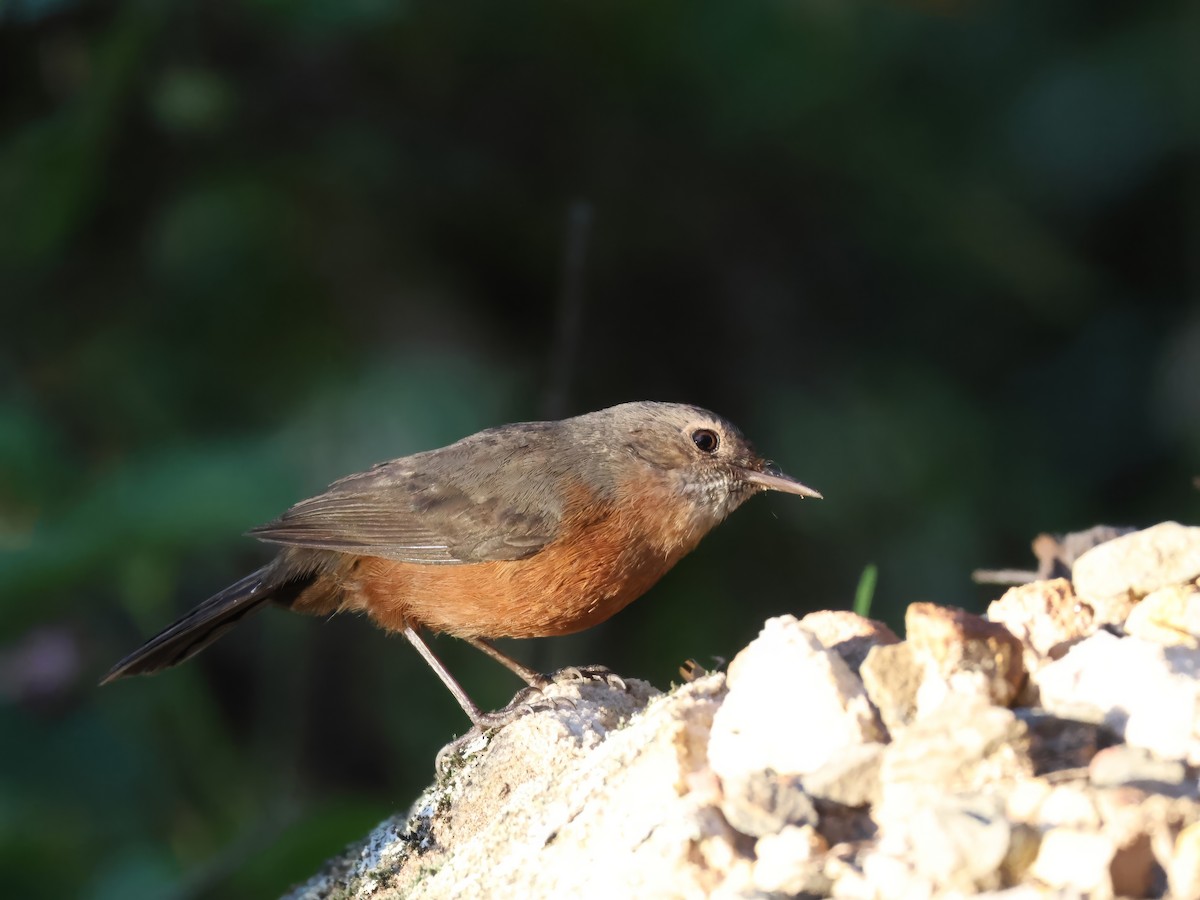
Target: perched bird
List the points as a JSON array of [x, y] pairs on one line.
[[527, 530]]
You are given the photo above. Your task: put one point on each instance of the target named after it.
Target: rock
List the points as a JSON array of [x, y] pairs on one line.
[[1077, 861], [552, 789], [1124, 765], [1183, 871], [1045, 616], [1129, 685], [764, 741], [848, 634], [862, 878], [762, 802], [792, 707], [965, 649], [1142, 825], [1112, 611], [790, 862], [1057, 743], [845, 824], [1056, 553], [965, 746], [958, 843], [1134, 871], [1137, 564], [774, 781], [1024, 844], [851, 779], [1169, 615], [1069, 806], [1019, 892], [891, 676], [1024, 799]]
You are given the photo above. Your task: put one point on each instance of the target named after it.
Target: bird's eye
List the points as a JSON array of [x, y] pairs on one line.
[[706, 439]]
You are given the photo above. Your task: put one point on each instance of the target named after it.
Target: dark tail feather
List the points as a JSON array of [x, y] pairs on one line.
[[195, 631]]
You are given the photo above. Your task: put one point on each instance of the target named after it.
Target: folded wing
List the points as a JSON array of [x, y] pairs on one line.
[[397, 512]]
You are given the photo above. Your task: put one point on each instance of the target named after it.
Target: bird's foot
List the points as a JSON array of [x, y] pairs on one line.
[[528, 700], [457, 749], [575, 674]]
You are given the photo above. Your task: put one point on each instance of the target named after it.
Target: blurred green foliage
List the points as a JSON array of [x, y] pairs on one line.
[[937, 259]]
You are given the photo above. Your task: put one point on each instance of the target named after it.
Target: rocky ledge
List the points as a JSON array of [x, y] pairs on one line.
[[1047, 749]]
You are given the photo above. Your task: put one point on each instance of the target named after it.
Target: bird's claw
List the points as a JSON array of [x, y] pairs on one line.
[[587, 673], [533, 700], [529, 700], [456, 748]]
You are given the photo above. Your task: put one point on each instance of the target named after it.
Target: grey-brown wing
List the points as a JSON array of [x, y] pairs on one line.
[[406, 515]]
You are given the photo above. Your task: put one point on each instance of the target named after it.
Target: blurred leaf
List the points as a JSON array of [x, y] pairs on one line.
[[864, 594]]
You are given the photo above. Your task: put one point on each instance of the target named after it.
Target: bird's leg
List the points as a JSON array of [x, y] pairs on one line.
[[538, 680], [474, 713], [520, 705]]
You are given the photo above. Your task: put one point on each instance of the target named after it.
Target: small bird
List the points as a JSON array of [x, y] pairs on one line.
[[534, 529]]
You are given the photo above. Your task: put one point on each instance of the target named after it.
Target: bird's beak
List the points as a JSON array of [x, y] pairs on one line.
[[770, 478]]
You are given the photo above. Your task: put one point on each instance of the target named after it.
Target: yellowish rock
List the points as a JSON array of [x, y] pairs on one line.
[[951, 642], [1139, 563], [1044, 615], [1169, 616], [1075, 861], [1183, 875], [848, 634]]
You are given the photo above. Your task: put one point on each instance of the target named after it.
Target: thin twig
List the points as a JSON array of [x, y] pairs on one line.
[[569, 313]]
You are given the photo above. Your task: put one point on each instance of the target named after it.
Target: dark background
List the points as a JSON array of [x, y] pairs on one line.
[[938, 260]]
